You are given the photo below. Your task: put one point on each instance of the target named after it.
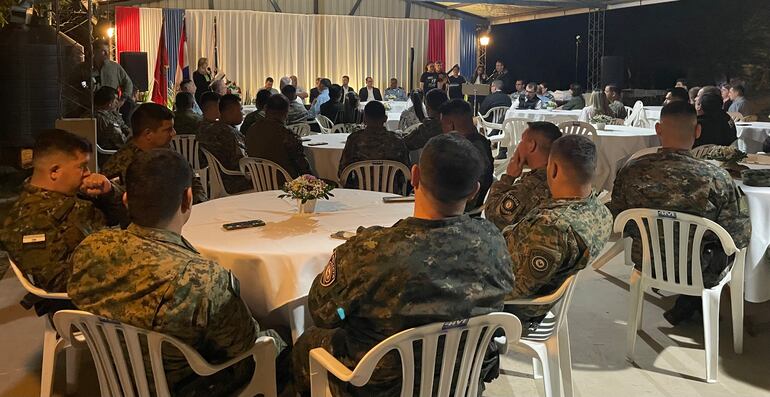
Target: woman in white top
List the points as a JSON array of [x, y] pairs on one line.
[[598, 104]]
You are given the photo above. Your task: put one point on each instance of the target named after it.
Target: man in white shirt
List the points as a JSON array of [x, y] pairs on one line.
[[740, 104], [301, 93], [323, 97]]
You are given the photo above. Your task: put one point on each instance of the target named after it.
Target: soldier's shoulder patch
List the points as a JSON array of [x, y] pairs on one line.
[[540, 262], [510, 203], [329, 274]]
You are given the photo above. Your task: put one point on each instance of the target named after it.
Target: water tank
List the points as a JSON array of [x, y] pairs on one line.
[[30, 82]]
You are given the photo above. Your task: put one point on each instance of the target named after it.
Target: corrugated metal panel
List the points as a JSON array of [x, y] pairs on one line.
[[427, 13], [296, 6], [255, 5]]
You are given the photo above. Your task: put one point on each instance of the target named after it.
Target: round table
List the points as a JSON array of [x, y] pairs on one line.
[[757, 273], [653, 113], [751, 136], [615, 144], [553, 116], [394, 113], [277, 263], [325, 159]]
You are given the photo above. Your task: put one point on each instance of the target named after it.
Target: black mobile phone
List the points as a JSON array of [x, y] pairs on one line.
[[318, 143], [243, 225], [407, 199]]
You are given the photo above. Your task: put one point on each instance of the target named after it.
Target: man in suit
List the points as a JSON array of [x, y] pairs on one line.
[[496, 98], [370, 92]]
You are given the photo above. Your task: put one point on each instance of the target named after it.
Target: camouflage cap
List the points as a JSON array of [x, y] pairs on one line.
[[756, 177]]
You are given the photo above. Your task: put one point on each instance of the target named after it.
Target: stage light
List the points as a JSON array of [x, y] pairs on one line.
[[110, 32], [484, 40]]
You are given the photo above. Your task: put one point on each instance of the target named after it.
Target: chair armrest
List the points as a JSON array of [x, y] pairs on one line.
[[254, 351], [232, 173], [543, 300], [54, 295], [331, 364]]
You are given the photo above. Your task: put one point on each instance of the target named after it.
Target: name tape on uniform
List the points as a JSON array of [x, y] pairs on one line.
[[33, 238]]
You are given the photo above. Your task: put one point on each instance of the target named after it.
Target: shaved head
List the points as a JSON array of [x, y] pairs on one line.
[[678, 127]]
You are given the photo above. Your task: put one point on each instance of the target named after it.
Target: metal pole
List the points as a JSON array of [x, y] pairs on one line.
[[91, 57], [577, 56], [60, 80]]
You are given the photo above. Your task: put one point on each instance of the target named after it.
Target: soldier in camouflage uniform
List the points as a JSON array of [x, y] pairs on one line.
[[111, 130], [226, 143], [388, 279], [374, 142], [153, 127], [210, 108], [186, 121], [457, 115], [561, 237], [150, 277], [50, 218], [431, 126], [257, 115], [672, 179], [510, 199]]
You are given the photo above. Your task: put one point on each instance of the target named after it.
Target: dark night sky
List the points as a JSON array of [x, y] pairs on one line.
[[688, 38]]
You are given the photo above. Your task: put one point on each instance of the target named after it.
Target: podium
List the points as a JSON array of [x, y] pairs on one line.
[[475, 90]]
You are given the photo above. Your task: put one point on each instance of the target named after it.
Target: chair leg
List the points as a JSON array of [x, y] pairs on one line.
[[636, 302], [736, 303], [537, 368], [50, 341], [711, 333], [319, 379], [73, 357], [552, 370], [566, 360]]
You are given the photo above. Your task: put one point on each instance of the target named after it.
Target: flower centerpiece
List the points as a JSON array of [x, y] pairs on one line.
[[550, 105], [601, 121], [390, 97], [387, 105], [233, 88], [306, 189]]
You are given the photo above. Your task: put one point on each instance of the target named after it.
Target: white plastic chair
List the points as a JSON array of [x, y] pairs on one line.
[[104, 151], [671, 273], [549, 344], [378, 176], [560, 119], [52, 343], [750, 118], [120, 374], [513, 129], [578, 128], [493, 119], [344, 128], [264, 173], [701, 151], [187, 146], [638, 117], [478, 332], [324, 123], [301, 129], [215, 171], [411, 129], [736, 116]]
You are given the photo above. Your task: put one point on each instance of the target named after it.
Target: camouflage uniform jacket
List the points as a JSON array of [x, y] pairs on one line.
[[484, 147], [250, 119], [111, 130], [228, 145], [117, 166], [44, 227], [271, 140], [386, 280], [554, 242], [419, 137], [511, 200], [674, 180], [367, 144], [155, 280], [186, 122]]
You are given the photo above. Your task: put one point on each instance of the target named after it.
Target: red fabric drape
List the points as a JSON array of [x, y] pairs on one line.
[[160, 87], [436, 41], [126, 29]]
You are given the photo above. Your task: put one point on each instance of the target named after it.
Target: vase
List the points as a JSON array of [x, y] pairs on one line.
[[601, 126], [307, 208]]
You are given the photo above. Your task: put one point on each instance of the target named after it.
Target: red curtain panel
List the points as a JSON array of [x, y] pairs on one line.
[[436, 41], [126, 29]]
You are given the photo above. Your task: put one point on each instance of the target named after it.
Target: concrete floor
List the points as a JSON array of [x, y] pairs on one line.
[[670, 361]]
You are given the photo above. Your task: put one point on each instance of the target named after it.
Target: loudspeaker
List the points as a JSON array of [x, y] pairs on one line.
[[614, 71], [135, 64]]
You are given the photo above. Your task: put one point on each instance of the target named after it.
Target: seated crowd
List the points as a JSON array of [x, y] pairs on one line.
[[113, 240]]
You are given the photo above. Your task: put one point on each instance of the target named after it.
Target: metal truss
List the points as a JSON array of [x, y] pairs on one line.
[[595, 47]]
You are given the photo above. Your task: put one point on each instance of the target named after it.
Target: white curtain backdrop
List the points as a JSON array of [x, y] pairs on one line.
[[452, 50], [254, 45], [150, 21]]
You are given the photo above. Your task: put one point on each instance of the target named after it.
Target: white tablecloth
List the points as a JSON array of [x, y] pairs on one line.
[[553, 116], [653, 113], [394, 113], [615, 144], [277, 263], [751, 136], [325, 159], [757, 267]]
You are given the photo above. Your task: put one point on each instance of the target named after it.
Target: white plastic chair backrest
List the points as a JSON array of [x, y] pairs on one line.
[[701, 151], [324, 123], [411, 129], [378, 175], [560, 298], [667, 266], [577, 128], [629, 109], [104, 151], [494, 117], [344, 128], [301, 129], [736, 116], [638, 116], [478, 332], [187, 146], [264, 173], [122, 373], [31, 288], [750, 119], [643, 152], [216, 185], [514, 129], [560, 119]]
